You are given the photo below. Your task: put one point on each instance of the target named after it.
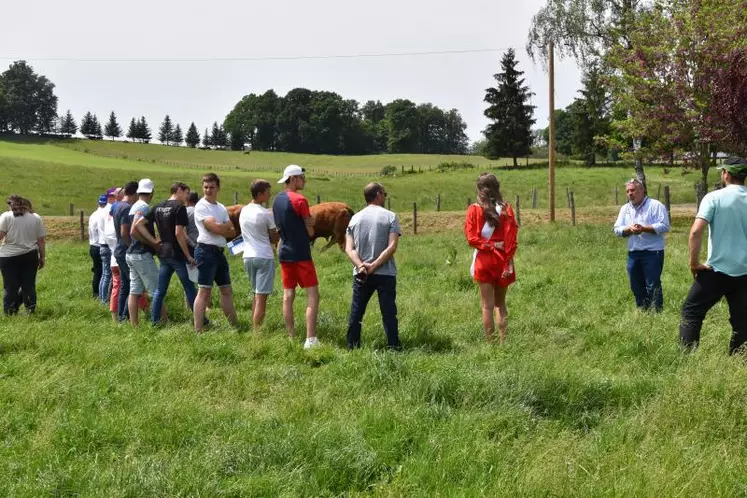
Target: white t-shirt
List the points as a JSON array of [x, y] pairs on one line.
[[203, 211], [255, 222], [93, 227], [105, 213], [21, 233]]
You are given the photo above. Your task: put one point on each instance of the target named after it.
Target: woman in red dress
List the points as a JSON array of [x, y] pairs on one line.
[[491, 228]]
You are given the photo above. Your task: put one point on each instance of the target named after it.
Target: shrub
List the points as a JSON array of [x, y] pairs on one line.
[[454, 166], [389, 170]]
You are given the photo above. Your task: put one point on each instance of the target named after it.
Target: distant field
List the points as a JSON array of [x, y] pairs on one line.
[[54, 177]]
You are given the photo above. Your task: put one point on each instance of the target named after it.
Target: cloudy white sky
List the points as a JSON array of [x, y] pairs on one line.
[[101, 55]]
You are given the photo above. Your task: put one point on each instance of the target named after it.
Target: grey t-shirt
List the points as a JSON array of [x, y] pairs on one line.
[[370, 229], [191, 227]]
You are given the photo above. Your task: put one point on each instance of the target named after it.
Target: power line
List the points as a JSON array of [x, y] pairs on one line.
[[268, 58]]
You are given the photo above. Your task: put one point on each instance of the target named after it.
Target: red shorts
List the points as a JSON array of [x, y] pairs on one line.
[[488, 268], [298, 273]]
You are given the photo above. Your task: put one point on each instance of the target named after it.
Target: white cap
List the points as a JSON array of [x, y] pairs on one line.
[[291, 170], [145, 186]]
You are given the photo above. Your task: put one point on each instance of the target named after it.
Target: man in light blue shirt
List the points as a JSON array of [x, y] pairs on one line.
[[644, 221], [724, 212]]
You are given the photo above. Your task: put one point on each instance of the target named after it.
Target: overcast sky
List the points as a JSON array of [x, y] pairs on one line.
[[120, 36]]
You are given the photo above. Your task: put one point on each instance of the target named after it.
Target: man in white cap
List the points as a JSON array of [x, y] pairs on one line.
[[296, 227], [142, 265]]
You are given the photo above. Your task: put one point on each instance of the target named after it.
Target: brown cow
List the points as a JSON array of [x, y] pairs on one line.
[[330, 221]]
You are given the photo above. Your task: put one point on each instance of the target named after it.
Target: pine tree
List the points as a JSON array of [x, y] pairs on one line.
[[132, 132], [193, 136], [177, 137], [112, 128], [165, 131], [87, 127], [206, 140], [510, 133], [68, 125], [143, 130], [96, 128]]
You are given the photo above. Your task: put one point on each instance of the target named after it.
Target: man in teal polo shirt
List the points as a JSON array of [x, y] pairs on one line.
[[724, 212]]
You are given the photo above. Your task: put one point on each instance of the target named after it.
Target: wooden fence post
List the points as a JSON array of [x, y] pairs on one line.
[[389, 203], [658, 193], [415, 217], [666, 202], [468, 201], [534, 198], [72, 209], [318, 199], [573, 209], [617, 200], [235, 197], [568, 197], [518, 211], [438, 202], [82, 227]]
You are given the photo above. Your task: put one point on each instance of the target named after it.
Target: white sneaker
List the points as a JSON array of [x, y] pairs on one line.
[[311, 342]]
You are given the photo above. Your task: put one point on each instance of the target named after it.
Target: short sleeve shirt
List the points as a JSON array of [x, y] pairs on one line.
[[21, 233], [120, 215], [203, 211], [725, 210], [167, 215], [141, 210], [256, 223], [290, 209], [370, 229]]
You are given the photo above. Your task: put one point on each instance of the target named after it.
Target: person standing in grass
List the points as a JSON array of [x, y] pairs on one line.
[[192, 232], [171, 219], [214, 227], [260, 234], [94, 248], [644, 221], [121, 218], [491, 229], [724, 273], [370, 243], [140, 260], [22, 253], [296, 226], [105, 252], [110, 236]]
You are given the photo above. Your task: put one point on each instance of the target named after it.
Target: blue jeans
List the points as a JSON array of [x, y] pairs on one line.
[[106, 273], [363, 289], [168, 267], [124, 288], [644, 270]]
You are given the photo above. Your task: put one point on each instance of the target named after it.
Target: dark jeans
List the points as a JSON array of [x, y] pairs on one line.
[[19, 281], [95, 254], [708, 289], [124, 288], [167, 269], [386, 286], [644, 270], [106, 273]]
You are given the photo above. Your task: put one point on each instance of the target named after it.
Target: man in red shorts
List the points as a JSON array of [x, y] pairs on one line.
[[296, 227]]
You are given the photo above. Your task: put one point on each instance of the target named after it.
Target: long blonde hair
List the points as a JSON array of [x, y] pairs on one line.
[[488, 195]]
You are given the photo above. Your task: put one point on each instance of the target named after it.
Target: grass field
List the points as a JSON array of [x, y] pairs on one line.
[[55, 176], [588, 397]]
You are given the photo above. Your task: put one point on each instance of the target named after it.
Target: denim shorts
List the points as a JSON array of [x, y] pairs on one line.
[[261, 273], [143, 273], [212, 266]]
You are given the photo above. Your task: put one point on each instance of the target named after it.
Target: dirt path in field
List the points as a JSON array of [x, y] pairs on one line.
[[430, 222]]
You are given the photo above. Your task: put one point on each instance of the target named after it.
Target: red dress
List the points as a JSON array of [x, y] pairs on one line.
[[489, 263]]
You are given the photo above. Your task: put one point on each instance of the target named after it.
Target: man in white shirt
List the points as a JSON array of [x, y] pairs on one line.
[[105, 250], [259, 233], [94, 249], [213, 227]]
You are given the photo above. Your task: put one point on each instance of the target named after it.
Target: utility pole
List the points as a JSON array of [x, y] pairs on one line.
[[551, 172]]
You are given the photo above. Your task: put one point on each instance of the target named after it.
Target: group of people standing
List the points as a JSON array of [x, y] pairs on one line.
[[644, 221], [191, 241]]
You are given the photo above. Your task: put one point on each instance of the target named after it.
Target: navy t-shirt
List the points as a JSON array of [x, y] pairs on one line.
[[141, 210], [120, 213], [289, 211]]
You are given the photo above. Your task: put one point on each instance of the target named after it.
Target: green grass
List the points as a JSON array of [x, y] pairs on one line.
[[55, 176], [588, 397]]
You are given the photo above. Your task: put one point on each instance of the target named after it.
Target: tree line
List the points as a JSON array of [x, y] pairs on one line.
[[322, 122]]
